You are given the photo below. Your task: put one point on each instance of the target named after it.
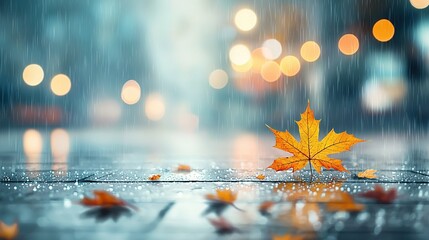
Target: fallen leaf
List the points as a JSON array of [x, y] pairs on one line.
[[265, 207], [381, 195], [309, 149], [260, 177], [105, 200], [223, 226], [154, 177], [369, 173], [102, 199], [183, 168], [220, 201], [287, 237], [8, 232], [224, 196]]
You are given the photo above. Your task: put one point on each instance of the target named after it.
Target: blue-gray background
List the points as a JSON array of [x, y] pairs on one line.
[[171, 47]]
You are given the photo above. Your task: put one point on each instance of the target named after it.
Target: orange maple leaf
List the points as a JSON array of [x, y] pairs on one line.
[[102, 199], [309, 149], [8, 232], [369, 173], [225, 196]]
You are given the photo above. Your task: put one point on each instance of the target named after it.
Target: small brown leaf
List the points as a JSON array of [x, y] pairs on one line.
[[369, 174], [260, 177], [183, 168], [154, 177]]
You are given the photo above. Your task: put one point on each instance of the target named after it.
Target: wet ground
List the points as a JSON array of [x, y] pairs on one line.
[[42, 183]]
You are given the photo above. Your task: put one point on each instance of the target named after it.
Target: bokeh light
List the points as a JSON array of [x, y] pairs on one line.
[[421, 36], [375, 97], [105, 112], [419, 4], [383, 30], [131, 92], [243, 68], [348, 44], [246, 151], [245, 19], [270, 71], [60, 85], [60, 148], [60, 143], [33, 74], [271, 49], [290, 66], [258, 60], [185, 119], [253, 83], [310, 51], [154, 107], [218, 79], [379, 95], [239, 54], [32, 142]]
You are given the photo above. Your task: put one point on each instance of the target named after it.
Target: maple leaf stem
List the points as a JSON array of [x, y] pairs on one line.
[[311, 171]]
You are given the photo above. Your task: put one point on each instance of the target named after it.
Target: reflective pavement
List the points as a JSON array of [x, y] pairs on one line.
[[43, 182]]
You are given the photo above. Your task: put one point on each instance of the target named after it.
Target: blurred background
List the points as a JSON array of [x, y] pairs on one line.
[[178, 76]]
